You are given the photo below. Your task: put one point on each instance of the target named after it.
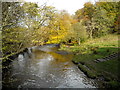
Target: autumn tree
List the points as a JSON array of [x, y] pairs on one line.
[[60, 27]]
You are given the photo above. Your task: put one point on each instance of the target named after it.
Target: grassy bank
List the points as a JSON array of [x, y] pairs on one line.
[[86, 54]]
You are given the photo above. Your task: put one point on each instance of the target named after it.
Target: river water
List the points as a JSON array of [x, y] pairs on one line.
[[46, 67]]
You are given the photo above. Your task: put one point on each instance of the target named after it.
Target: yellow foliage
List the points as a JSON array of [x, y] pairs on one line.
[[55, 39]]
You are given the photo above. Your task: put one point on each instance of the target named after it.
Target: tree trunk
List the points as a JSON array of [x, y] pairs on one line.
[[78, 41]]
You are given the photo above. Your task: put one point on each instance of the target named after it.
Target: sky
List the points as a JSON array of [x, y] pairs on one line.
[[69, 5]]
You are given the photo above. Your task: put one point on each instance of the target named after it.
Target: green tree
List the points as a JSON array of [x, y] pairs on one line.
[[11, 15], [104, 18], [86, 14], [24, 25], [79, 32], [100, 18]]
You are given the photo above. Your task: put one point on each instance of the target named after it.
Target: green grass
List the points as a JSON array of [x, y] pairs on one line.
[[88, 72], [93, 49]]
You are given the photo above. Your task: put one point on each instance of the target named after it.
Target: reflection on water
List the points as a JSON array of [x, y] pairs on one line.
[[39, 68]]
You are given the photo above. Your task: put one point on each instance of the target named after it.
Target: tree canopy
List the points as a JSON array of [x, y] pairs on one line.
[[27, 24]]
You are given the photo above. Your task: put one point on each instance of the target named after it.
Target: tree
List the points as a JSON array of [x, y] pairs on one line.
[[86, 14], [100, 18], [11, 14], [79, 32], [104, 18], [24, 28], [60, 27]]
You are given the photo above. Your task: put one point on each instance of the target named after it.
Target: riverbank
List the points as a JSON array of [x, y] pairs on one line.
[[98, 59]]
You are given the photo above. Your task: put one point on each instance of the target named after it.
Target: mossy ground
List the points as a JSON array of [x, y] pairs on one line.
[[87, 52]]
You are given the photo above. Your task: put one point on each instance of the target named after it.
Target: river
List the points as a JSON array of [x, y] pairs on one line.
[[45, 67]]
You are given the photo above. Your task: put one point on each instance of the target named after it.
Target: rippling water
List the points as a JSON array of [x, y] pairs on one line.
[[46, 67]]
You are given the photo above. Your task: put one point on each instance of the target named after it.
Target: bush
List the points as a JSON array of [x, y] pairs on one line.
[[113, 84]]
